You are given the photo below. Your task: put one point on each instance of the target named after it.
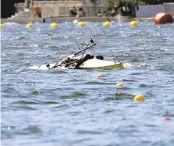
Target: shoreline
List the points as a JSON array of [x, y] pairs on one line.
[[70, 19]]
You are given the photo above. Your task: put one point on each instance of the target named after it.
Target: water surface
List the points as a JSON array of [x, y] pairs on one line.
[[73, 107]]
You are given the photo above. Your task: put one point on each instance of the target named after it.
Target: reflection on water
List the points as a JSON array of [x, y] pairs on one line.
[[73, 107]]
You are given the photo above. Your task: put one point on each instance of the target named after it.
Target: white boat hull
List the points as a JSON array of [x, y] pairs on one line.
[[100, 64], [89, 64]]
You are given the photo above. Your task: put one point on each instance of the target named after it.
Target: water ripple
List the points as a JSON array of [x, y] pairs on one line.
[[73, 107]]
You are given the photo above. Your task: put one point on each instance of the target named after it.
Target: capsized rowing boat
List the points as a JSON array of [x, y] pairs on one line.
[[89, 64]]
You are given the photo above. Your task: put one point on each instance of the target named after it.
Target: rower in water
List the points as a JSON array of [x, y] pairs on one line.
[[74, 63]]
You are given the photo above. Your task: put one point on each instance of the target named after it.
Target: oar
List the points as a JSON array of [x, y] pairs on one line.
[[77, 44], [87, 47], [91, 41], [83, 50]]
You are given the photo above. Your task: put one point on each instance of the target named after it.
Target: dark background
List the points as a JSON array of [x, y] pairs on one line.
[[8, 8]]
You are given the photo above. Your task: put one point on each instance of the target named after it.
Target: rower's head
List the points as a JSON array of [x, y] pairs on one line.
[[100, 57], [88, 56]]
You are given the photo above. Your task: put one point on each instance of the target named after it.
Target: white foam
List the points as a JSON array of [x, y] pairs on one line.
[[75, 21]]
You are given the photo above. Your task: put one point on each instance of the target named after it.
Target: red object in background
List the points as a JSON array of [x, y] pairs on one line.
[[166, 118], [163, 18], [36, 11]]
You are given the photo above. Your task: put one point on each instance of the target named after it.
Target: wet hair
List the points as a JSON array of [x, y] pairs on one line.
[[80, 9], [100, 57], [88, 56]]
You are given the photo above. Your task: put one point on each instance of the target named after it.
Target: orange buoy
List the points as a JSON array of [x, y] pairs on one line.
[[163, 18], [100, 75]]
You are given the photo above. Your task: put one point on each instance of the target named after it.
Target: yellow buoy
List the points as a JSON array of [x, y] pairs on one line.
[[107, 24], [2, 26], [134, 23], [54, 25], [3, 55], [100, 75], [29, 25], [81, 24], [120, 85], [62, 56], [35, 92], [139, 98]]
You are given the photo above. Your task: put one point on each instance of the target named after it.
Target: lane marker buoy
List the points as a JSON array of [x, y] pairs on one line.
[[54, 25], [1, 26], [107, 24], [134, 24], [139, 98], [29, 25], [120, 85], [100, 75], [81, 24]]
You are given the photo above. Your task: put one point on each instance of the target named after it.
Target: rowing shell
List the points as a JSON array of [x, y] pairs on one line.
[[89, 64]]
